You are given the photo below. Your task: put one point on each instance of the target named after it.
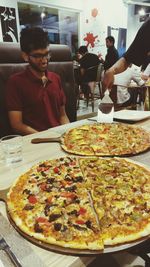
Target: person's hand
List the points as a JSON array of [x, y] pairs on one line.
[[144, 77], [108, 79]]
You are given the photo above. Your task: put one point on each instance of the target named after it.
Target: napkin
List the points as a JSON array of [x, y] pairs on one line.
[[19, 246]]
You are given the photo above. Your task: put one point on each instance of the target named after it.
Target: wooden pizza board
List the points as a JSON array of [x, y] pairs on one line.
[[68, 251]]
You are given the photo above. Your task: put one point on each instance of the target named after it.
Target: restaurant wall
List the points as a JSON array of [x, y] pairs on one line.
[[97, 19], [94, 20]]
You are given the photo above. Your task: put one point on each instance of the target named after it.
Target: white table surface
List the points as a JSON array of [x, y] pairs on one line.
[[32, 154]]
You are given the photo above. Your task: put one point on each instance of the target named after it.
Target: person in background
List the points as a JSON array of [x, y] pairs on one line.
[[125, 95], [137, 53], [35, 98], [112, 54], [88, 69]]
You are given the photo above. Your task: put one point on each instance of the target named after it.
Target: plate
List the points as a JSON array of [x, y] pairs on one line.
[[131, 115]]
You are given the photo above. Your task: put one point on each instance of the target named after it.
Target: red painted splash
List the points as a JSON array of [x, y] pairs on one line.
[[90, 38]]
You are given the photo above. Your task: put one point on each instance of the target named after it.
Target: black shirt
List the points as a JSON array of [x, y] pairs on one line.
[[90, 63], [111, 57], [140, 47]]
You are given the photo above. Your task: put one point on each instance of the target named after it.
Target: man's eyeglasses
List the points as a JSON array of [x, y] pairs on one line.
[[39, 56]]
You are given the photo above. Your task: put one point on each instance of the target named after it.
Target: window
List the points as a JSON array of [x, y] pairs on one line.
[[61, 24]]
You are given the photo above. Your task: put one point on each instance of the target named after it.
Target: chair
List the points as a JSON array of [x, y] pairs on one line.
[[137, 96], [89, 88], [11, 62]]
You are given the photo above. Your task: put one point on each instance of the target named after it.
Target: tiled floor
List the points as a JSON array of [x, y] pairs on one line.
[[84, 111]]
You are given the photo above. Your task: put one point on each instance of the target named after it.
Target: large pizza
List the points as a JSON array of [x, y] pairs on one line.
[[82, 203], [106, 139]]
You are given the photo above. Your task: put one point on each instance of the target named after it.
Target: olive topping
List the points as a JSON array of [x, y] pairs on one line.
[[89, 224], [78, 227], [64, 228], [49, 189], [27, 191], [78, 179], [57, 226], [50, 180], [43, 174], [54, 217], [67, 178], [37, 228], [71, 188], [28, 207], [73, 212], [47, 209]]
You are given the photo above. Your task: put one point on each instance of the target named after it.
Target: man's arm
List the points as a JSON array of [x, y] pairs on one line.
[[15, 118], [118, 67], [63, 116]]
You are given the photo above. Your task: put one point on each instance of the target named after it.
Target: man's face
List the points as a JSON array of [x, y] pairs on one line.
[[38, 59], [108, 43]]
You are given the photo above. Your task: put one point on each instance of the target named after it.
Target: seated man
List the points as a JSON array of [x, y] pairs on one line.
[[35, 98], [123, 80]]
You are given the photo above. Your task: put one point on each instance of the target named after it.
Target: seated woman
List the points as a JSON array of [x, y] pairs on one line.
[[125, 95]]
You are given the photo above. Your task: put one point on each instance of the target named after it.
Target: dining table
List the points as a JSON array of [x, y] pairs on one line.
[[25, 250]]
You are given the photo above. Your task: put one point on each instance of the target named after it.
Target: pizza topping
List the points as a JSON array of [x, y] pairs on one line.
[[80, 228], [32, 199], [82, 211], [56, 170], [106, 140], [28, 207], [54, 217], [71, 188], [57, 226], [37, 228], [41, 220], [73, 212], [84, 204], [27, 191]]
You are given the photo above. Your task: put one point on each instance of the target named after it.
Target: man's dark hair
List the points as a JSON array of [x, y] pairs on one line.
[[33, 39], [111, 39], [82, 49]]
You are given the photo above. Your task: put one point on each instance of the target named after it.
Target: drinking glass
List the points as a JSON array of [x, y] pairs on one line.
[[12, 148]]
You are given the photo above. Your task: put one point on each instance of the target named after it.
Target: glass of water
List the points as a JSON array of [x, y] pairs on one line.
[[12, 148]]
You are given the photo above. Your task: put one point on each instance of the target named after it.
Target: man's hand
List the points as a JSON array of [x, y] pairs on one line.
[[118, 67]]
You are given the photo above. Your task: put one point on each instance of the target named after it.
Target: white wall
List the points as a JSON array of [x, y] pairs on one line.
[[110, 13], [133, 24], [12, 4]]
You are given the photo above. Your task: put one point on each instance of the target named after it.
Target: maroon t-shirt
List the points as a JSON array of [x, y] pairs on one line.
[[40, 105]]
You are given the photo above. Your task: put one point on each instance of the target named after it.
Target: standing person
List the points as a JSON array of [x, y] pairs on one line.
[[112, 54], [35, 98], [137, 53]]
